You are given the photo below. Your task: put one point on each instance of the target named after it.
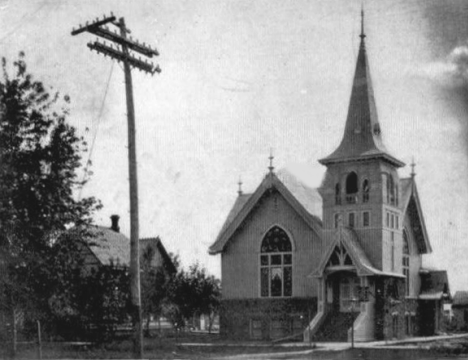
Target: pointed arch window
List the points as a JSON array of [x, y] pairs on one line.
[[365, 191], [406, 262], [352, 188], [276, 264]]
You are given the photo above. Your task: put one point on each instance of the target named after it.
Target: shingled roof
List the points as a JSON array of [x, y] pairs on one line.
[[157, 244], [411, 205], [112, 247], [460, 299], [347, 238], [434, 284], [306, 201], [109, 246], [362, 137]]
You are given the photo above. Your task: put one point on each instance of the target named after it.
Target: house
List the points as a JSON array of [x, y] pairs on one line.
[[338, 261], [460, 310], [107, 245]]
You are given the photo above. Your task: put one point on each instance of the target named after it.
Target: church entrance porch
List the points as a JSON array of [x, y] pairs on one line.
[[342, 291], [342, 304]]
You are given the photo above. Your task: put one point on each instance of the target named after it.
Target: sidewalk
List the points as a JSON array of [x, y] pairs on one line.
[[338, 346]]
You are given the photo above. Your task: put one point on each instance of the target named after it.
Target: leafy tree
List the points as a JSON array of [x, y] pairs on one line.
[[84, 302], [40, 154], [193, 293], [155, 282]]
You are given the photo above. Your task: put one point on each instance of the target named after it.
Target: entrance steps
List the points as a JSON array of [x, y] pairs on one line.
[[335, 327]]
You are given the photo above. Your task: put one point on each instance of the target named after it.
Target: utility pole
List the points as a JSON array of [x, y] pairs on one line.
[[124, 55]]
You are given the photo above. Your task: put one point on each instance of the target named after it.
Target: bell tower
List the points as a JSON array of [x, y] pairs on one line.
[[360, 189]]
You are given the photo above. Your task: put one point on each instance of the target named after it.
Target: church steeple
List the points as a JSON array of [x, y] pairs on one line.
[[362, 137]]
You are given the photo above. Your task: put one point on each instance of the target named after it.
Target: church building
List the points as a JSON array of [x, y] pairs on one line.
[[338, 261]]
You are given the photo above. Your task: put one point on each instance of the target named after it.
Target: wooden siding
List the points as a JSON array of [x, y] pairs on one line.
[[415, 260], [376, 238], [240, 261]]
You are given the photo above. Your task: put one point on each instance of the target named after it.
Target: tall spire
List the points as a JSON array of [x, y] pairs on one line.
[[362, 137], [363, 35]]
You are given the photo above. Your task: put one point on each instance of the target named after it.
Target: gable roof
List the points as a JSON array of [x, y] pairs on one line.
[[157, 243], [109, 246], [347, 237], [434, 284], [411, 205], [304, 200], [362, 136], [113, 247], [460, 299]]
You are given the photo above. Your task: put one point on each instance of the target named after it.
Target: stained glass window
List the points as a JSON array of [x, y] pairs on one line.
[[276, 264]]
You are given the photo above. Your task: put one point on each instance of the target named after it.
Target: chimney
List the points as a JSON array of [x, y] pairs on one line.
[[115, 223]]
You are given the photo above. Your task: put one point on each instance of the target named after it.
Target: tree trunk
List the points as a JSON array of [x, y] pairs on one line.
[[14, 339], [148, 320]]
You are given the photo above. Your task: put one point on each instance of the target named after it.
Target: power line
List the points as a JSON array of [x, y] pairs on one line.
[[21, 22], [88, 162]]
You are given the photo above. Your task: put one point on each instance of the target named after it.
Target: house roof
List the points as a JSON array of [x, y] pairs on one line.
[[347, 237], [362, 137], [434, 284], [306, 201], [113, 247], [411, 205], [460, 299], [156, 241], [110, 246]]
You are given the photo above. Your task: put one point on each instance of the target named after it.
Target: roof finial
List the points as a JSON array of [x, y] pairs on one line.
[[271, 157], [240, 186], [413, 174], [362, 36]]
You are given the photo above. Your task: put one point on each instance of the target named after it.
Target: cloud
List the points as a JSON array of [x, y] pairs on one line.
[[452, 72]]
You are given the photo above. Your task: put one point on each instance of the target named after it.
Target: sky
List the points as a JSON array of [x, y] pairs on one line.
[[242, 77]]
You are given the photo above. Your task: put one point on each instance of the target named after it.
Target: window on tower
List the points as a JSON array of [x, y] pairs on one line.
[[365, 191], [338, 194], [366, 219], [351, 220], [351, 188], [276, 264], [391, 191], [392, 251]]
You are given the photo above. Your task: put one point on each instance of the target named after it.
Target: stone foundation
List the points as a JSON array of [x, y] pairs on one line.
[[265, 319]]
